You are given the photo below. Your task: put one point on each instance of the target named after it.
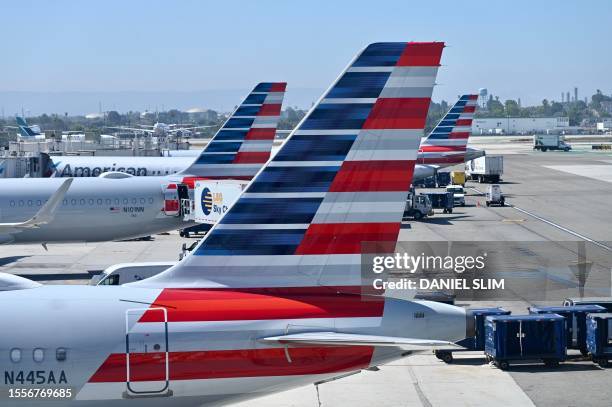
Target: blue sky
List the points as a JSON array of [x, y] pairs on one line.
[[527, 49]]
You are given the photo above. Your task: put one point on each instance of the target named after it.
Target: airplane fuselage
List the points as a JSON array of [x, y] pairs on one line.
[[93, 209], [155, 347]]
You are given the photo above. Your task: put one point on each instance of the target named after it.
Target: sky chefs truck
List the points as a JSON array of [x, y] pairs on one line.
[[545, 142], [488, 168]]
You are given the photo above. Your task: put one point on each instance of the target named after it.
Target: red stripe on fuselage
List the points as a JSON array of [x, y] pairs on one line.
[[398, 113], [440, 149], [234, 363], [210, 304], [376, 175], [447, 159], [347, 238]]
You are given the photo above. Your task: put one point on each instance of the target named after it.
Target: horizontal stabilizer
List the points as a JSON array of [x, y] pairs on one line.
[[347, 339], [10, 282], [44, 215]]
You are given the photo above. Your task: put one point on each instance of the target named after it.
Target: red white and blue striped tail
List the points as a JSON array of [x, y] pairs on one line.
[[244, 142], [447, 143], [340, 179]]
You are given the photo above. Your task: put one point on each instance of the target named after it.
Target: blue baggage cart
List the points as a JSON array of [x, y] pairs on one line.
[[599, 337], [575, 328], [605, 302], [476, 342], [511, 338]]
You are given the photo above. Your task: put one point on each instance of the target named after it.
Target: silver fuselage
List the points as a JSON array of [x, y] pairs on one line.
[[93, 209]]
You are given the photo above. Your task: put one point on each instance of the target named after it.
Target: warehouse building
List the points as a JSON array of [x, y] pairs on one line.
[[519, 125]]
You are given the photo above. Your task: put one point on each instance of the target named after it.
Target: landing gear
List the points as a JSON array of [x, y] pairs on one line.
[[446, 357]]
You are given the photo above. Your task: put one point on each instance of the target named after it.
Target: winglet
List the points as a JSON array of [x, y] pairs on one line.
[[46, 213]]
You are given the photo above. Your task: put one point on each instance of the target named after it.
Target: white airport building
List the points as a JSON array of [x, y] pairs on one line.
[[519, 125], [605, 125]]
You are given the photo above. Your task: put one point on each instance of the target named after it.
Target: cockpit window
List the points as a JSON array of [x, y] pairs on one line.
[[113, 279]]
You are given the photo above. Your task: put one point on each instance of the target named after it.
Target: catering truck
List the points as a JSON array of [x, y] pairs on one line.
[[545, 142], [488, 168]]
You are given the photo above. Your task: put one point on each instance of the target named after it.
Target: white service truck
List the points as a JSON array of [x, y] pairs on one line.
[[494, 196], [544, 142], [488, 168]]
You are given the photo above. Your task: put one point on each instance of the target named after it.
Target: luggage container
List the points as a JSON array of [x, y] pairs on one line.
[[443, 179], [605, 302], [523, 338], [476, 342], [599, 338], [441, 200], [575, 328]]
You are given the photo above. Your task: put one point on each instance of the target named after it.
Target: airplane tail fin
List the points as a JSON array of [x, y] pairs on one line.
[[24, 129], [448, 141], [243, 144], [339, 181]]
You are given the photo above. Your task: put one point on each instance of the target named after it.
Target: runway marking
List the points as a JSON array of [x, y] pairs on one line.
[[571, 232]]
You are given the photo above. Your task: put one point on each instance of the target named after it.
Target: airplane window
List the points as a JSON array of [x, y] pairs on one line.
[[12, 203], [166, 172], [38, 355], [21, 203], [108, 201], [82, 202], [91, 201], [134, 201], [73, 201], [15, 355], [419, 315], [65, 202], [39, 202], [60, 354], [117, 201], [142, 200], [100, 201], [30, 202], [150, 200], [126, 201]]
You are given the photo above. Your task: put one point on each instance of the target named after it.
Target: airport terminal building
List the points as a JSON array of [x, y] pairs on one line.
[[519, 125]]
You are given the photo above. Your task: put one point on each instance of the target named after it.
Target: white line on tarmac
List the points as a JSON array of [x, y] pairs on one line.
[[571, 232]]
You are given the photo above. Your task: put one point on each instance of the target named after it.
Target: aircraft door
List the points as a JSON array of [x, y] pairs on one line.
[[171, 200], [146, 352], [184, 199]]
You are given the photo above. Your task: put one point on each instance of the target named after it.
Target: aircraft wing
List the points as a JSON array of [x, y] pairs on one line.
[[346, 339], [192, 128], [44, 215]]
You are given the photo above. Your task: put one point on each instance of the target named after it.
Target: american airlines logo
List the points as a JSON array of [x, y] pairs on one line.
[[68, 171]]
